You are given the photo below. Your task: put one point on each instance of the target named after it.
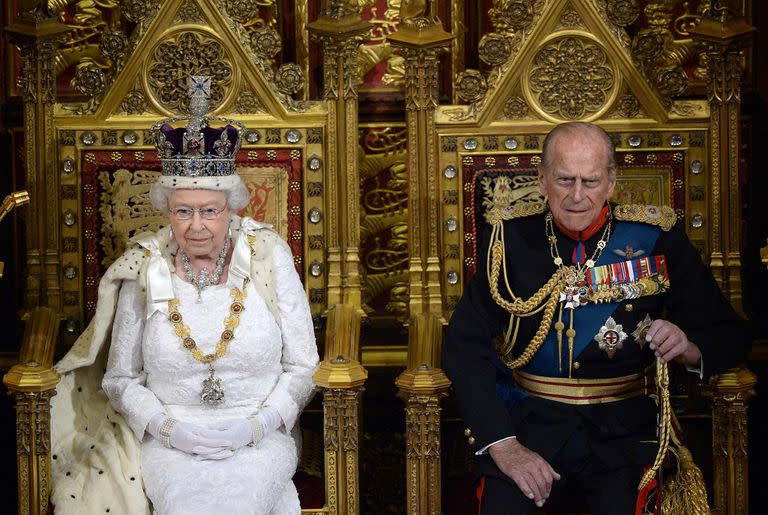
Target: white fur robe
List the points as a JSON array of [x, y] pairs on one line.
[[96, 454]]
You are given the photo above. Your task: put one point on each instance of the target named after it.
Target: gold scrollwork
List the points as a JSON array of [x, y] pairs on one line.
[[571, 77], [188, 53]]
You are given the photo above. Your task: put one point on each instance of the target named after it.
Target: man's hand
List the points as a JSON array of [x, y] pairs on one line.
[[670, 342], [532, 474]]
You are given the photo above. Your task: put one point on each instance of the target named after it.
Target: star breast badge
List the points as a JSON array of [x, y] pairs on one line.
[[641, 330], [611, 337]]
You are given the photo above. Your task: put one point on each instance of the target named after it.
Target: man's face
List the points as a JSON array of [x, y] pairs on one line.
[[578, 181]]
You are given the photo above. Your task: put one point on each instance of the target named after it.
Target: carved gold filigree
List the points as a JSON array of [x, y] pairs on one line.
[[139, 10], [570, 19], [672, 81], [114, 45], [289, 78], [730, 396], [421, 77], [134, 102], [266, 42], [494, 49], [571, 78], [240, 10], [622, 12], [188, 53], [338, 9], [510, 16], [248, 102], [419, 14], [340, 414], [626, 106], [661, 57], [189, 13], [384, 215], [516, 107], [89, 78], [471, 85]]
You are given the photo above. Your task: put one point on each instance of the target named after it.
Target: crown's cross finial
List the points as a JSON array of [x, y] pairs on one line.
[[199, 94]]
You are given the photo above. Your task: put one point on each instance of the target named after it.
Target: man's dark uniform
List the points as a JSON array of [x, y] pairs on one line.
[[599, 448]]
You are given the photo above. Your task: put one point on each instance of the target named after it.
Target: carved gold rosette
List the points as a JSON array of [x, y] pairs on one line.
[[571, 78], [188, 52]]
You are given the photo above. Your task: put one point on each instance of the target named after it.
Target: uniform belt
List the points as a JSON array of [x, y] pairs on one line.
[[586, 391]]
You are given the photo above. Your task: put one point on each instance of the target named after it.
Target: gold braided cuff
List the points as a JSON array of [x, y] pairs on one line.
[[165, 431]]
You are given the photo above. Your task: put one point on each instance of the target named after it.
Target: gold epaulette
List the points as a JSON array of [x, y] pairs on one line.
[[662, 216], [518, 210]]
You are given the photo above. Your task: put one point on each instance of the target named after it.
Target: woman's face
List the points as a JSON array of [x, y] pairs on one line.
[[200, 221]]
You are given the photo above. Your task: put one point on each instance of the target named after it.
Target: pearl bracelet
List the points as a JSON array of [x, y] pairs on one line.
[[165, 431], [257, 430]]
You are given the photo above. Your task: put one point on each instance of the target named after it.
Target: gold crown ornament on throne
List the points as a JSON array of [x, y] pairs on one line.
[[198, 155]]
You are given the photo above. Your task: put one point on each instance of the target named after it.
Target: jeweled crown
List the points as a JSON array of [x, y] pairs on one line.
[[198, 150]]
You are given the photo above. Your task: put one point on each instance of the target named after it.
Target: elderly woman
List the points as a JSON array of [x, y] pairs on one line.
[[212, 347]]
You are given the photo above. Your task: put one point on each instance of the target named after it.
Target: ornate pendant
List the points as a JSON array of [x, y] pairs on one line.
[[575, 292], [611, 337], [213, 391]]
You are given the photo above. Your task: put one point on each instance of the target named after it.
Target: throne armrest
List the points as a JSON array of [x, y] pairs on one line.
[[32, 383], [34, 372]]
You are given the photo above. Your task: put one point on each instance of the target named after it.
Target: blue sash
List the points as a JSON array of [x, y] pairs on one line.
[[587, 319]]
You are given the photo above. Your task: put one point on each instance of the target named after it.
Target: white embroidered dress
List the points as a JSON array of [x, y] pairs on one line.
[[267, 364]]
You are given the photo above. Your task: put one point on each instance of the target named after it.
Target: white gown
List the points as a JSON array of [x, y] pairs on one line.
[[149, 372]]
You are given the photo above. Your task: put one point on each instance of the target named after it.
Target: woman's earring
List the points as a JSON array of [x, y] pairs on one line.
[[172, 232], [229, 229]]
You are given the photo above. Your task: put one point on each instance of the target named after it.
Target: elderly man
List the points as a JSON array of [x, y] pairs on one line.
[[553, 343]]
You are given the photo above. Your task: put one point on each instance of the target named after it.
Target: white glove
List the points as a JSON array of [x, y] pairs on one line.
[[192, 438], [238, 431], [241, 431], [270, 419]]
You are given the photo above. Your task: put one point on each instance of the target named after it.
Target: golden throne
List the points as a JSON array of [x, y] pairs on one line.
[[541, 63], [121, 66]]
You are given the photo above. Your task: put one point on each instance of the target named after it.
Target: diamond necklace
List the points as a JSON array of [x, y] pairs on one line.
[[204, 278]]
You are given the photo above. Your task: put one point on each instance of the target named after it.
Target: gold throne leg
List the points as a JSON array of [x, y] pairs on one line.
[[33, 383]]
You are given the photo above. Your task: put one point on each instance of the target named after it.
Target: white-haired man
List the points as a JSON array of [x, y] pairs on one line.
[[582, 296]]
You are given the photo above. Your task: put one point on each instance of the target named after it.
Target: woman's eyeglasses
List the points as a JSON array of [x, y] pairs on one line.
[[206, 213]]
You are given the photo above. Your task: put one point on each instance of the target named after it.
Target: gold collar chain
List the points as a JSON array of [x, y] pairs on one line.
[[230, 324], [580, 269], [212, 392]]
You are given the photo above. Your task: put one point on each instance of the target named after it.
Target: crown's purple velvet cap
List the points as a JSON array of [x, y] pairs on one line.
[[176, 137]]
